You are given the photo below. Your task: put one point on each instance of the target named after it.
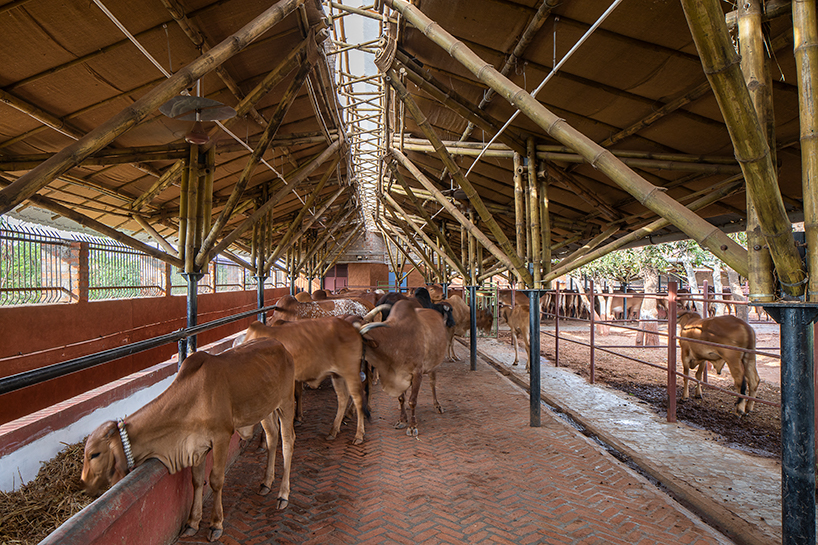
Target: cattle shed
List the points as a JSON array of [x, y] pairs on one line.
[[317, 143]]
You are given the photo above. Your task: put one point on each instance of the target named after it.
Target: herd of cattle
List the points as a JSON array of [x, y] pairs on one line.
[[310, 338]]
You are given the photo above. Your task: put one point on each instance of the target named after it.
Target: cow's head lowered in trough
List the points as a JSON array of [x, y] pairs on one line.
[[104, 461]]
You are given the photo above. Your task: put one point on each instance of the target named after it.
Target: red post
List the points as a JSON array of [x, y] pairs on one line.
[[592, 300], [557, 327], [671, 352]]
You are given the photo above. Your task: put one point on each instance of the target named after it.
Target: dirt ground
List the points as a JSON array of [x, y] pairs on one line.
[[758, 433]]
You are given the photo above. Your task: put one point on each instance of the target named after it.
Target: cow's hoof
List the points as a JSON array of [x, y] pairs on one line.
[[514, 364], [188, 531], [282, 503], [358, 441], [412, 432], [439, 409], [400, 425], [214, 534], [331, 436], [263, 490]]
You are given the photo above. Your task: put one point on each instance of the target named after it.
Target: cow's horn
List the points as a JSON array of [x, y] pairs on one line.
[[368, 327], [372, 313]]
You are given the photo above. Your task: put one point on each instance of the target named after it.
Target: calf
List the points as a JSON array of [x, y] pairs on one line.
[[211, 398], [320, 348], [412, 344], [518, 321], [727, 330]]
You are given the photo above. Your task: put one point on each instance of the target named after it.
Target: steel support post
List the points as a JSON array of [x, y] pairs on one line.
[[192, 307], [534, 356], [473, 328], [797, 420], [262, 316], [445, 289]]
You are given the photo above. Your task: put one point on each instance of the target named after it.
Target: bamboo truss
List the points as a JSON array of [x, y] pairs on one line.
[[647, 194]]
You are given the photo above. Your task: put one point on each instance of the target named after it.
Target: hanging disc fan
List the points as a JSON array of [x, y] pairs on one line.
[[196, 109]]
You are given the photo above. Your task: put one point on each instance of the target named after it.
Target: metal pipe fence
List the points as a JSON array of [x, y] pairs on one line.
[[671, 299], [35, 267]]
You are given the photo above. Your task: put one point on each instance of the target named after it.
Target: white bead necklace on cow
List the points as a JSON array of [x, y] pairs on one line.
[[126, 442]]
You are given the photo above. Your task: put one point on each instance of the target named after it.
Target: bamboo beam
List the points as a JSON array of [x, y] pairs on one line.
[[638, 234], [534, 197], [283, 244], [519, 207], [85, 221], [403, 235], [192, 213], [649, 195], [104, 134], [756, 72], [589, 246], [398, 246], [464, 184], [342, 247], [770, 10], [291, 184], [320, 243], [154, 234], [721, 64], [436, 247], [805, 32], [255, 157], [449, 252], [451, 209]]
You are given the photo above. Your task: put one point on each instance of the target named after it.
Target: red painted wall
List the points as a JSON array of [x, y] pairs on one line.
[[39, 335]]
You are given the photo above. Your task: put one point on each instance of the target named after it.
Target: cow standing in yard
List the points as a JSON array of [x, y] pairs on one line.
[[412, 344], [518, 321], [211, 398], [727, 330]]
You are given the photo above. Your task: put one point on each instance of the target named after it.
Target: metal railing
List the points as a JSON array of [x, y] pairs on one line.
[[35, 266], [116, 271]]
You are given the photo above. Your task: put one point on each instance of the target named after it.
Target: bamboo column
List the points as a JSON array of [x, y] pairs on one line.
[[192, 211], [720, 62], [805, 31], [519, 208], [545, 223], [534, 198], [458, 176], [649, 195], [757, 76], [104, 134]]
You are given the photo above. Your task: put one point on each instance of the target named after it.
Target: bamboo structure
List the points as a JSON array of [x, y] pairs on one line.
[[104, 134], [757, 75], [534, 206], [647, 194], [519, 207], [720, 62], [464, 184], [805, 30]]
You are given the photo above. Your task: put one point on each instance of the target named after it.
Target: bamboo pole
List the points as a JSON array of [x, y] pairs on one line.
[[720, 62], [291, 233], [408, 241], [210, 174], [519, 207], [649, 195], [143, 223], [255, 157], [452, 209], [290, 185], [805, 31], [589, 246], [183, 206], [192, 215], [545, 222], [436, 247], [464, 184], [757, 76], [534, 197], [167, 178], [350, 238], [636, 235], [405, 253], [104, 134], [449, 252], [320, 243]]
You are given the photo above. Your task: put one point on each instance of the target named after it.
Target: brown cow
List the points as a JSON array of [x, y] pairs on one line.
[[303, 297], [412, 344], [518, 321], [211, 397], [290, 309], [462, 322], [727, 330], [323, 347]]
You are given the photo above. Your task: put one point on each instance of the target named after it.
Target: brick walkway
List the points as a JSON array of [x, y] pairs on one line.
[[476, 474]]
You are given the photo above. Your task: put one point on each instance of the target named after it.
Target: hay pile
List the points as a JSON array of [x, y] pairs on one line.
[[29, 514]]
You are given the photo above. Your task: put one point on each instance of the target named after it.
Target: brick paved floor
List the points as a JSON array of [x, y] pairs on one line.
[[476, 474]]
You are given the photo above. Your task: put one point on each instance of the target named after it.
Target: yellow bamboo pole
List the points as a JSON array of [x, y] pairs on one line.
[[519, 208], [805, 32], [721, 64], [534, 204], [649, 195], [756, 71]]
